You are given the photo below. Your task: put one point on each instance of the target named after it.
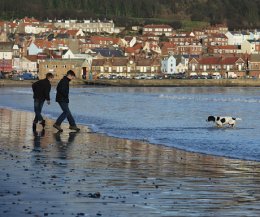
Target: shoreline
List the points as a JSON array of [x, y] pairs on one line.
[[148, 83], [28, 83], [89, 174], [89, 130], [178, 83]]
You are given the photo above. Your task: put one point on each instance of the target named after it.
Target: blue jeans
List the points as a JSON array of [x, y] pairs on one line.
[[38, 104], [65, 114]]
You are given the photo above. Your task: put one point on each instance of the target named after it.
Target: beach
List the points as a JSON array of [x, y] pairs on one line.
[[88, 174]]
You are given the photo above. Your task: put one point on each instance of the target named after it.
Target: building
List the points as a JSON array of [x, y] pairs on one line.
[[237, 38], [220, 64], [190, 49], [251, 47], [6, 56], [168, 65], [92, 26], [59, 67], [122, 66], [254, 66], [215, 39], [158, 30], [224, 49]]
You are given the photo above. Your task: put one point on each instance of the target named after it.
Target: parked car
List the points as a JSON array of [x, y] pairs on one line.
[[17, 78], [193, 75], [101, 77], [149, 77], [158, 77], [216, 76], [112, 76], [1, 75], [28, 76], [180, 76], [140, 76], [232, 75]]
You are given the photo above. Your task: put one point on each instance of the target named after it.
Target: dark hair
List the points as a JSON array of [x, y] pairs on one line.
[[70, 72], [49, 75]]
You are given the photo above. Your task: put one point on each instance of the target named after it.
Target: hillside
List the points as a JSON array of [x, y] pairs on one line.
[[135, 12]]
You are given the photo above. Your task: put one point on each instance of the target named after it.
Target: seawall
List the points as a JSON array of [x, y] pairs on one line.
[[179, 82], [150, 83]]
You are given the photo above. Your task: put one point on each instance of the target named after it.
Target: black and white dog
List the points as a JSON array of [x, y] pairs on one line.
[[221, 121]]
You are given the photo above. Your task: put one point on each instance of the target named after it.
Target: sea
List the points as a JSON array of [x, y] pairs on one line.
[[168, 116]]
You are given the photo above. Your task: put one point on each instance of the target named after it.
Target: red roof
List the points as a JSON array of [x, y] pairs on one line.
[[12, 25], [219, 60], [129, 50], [41, 43], [32, 58], [217, 35], [30, 20], [168, 45], [2, 23], [72, 32]]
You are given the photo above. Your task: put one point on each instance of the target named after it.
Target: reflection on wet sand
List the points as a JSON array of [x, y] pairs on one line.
[[133, 178]]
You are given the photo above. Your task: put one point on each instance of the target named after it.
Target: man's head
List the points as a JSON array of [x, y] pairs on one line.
[[70, 74], [49, 76]]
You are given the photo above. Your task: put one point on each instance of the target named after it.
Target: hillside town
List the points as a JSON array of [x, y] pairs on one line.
[[97, 49]]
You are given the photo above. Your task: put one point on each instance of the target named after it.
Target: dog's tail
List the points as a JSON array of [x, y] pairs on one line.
[[238, 119]]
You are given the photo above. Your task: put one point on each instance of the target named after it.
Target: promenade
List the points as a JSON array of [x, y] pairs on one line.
[[150, 83], [87, 174], [178, 82]]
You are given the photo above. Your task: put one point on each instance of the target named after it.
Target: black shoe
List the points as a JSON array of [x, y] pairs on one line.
[[43, 123], [58, 127], [74, 128], [34, 127]]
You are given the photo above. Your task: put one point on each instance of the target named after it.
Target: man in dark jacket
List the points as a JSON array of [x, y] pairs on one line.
[[62, 97], [41, 92]]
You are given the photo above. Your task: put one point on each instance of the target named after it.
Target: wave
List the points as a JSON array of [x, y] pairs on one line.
[[162, 96], [28, 92]]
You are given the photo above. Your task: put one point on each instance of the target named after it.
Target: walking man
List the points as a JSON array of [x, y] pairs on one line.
[[62, 97], [41, 92]]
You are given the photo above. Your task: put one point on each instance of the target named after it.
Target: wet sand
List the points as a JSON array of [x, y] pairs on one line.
[[87, 174]]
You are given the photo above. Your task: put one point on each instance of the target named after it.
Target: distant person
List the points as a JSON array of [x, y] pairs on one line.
[[62, 97], [41, 92]]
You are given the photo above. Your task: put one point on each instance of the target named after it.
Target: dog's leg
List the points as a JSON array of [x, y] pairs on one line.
[[232, 124]]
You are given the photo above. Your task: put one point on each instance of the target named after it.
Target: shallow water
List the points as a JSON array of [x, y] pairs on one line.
[[47, 173], [171, 116]]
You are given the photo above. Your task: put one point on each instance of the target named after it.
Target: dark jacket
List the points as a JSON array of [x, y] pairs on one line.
[[41, 89], [63, 90]]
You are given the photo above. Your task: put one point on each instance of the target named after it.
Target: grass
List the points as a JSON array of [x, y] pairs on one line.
[[187, 25]]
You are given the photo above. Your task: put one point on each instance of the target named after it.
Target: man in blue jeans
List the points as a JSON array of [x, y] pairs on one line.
[[62, 97], [41, 92]]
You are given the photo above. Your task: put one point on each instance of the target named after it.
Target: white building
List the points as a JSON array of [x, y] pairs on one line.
[[87, 25], [237, 38], [168, 65], [67, 54], [158, 30], [251, 47], [32, 29]]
